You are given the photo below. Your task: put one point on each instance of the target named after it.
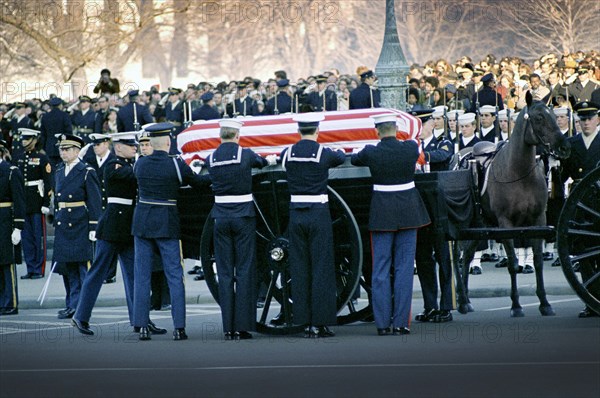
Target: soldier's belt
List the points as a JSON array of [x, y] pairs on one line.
[[233, 198], [33, 183], [85, 131], [120, 201], [323, 198], [174, 123], [6, 204], [394, 188], [62, 205], [168, 202]]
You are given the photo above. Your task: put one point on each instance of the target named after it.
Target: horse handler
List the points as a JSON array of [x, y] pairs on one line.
[[396, 212]]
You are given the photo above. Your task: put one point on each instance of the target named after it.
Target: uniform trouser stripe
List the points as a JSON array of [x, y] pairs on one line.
[[13, 279]]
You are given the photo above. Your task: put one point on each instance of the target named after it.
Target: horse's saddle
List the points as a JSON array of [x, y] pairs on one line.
[[483, 153]]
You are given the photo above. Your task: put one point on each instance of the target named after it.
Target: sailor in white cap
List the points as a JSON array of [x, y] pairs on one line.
[[466, 124], [562, 119], [439, 128], [488, 123], [453, 129]]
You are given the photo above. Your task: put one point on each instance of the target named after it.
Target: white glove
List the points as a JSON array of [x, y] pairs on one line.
[[16, 236], [571, 78], [92, 236], [271, 159], [553, 162], [196, 166], [45, 210]]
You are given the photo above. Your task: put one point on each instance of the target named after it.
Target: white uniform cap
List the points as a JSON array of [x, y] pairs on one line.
[[145, 126], [438, 111], [561, 111], [466, 118], [385, 118], [231, 123], [125, 136], [309, 117], [96, 138], [502, 115], [487, 109], [25, 132], [452, 114]]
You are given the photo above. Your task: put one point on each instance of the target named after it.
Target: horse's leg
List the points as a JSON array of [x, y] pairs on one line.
[[538, 263], [509, 247], [461, 292]]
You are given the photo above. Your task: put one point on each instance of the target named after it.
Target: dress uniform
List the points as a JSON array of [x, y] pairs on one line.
[[54, 123], [230, 169], [36, 170], [312, 269], [133, 113], [323, 99], [487, 95], [12, 214], [244, 105], [365, 96], [156, 227], [174, 115], [396, 212], [77, 209], [582, 90], [585, 157], [206, 111], [489, 133], [467, 142], [114, 239], [17, 122], [281, 102], [432, 248], [84, 121]]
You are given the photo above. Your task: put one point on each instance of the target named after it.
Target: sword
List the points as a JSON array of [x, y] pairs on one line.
[[42, 295], [136, 125]]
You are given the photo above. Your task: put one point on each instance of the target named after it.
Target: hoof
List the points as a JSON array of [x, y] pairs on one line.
[[517, 313], [547, 310], [463, 308]]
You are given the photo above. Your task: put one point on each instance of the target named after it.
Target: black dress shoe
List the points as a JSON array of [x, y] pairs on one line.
[[67, 314], [27, 276], [145, 334], [199, 277], [228, 335], [384, 331], [179, 334], [485, 257], [324, 331], [587, 313], [556, 263], [548, 256], [63, 310], [401, 330], [111, 280], [278, 320], [426, 315], [9, 311], [528, 269], [475, 270], [36, 276], [194, 270], [155, 329], [502, 263], [82, 327], [443, 316], [242, 335]]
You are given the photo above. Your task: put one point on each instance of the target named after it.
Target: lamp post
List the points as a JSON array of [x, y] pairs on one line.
[[392, 68]]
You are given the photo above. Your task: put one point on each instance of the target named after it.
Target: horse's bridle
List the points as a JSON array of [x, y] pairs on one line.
[[537, 136]]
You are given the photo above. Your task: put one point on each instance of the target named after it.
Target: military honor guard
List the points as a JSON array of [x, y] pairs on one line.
[[114, 239], [84, 119], [467, 124], [439, 121], [504, 124], [230, 169], [487, 95], [174, 115], [37, 177], [489, 127], [77, 204], [134, 114], [395, 214], [18, 121], [207, 111], [562, 119], [322, 99], [365, 95], [243, 105], [156, 227], [585, 156], [12, 219], [582, 87], [431, 248], [453, 129], [312, 268], [282, 101], [54, 123]]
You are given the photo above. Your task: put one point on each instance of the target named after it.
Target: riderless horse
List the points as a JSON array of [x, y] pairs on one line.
[[515, 195]]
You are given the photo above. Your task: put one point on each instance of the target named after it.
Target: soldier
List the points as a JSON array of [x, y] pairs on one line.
[[174, 115], [98, 158], [487, 95], [489, 130], [207, 110], [36, 170], [107, 85], [244, 105], [453, 129], [467, 125], [282, 102], [581, 86], [133, 115], [78, 203], [230, 169], [114, 239], [54, 123], [12, 218], [322, 99], [156, 227], [503, 123], [84, 119], [562, 119], [432, 249], [101, 114], [307, 164], [365, 95], [396, 212], [439, 126], [19, 120]]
